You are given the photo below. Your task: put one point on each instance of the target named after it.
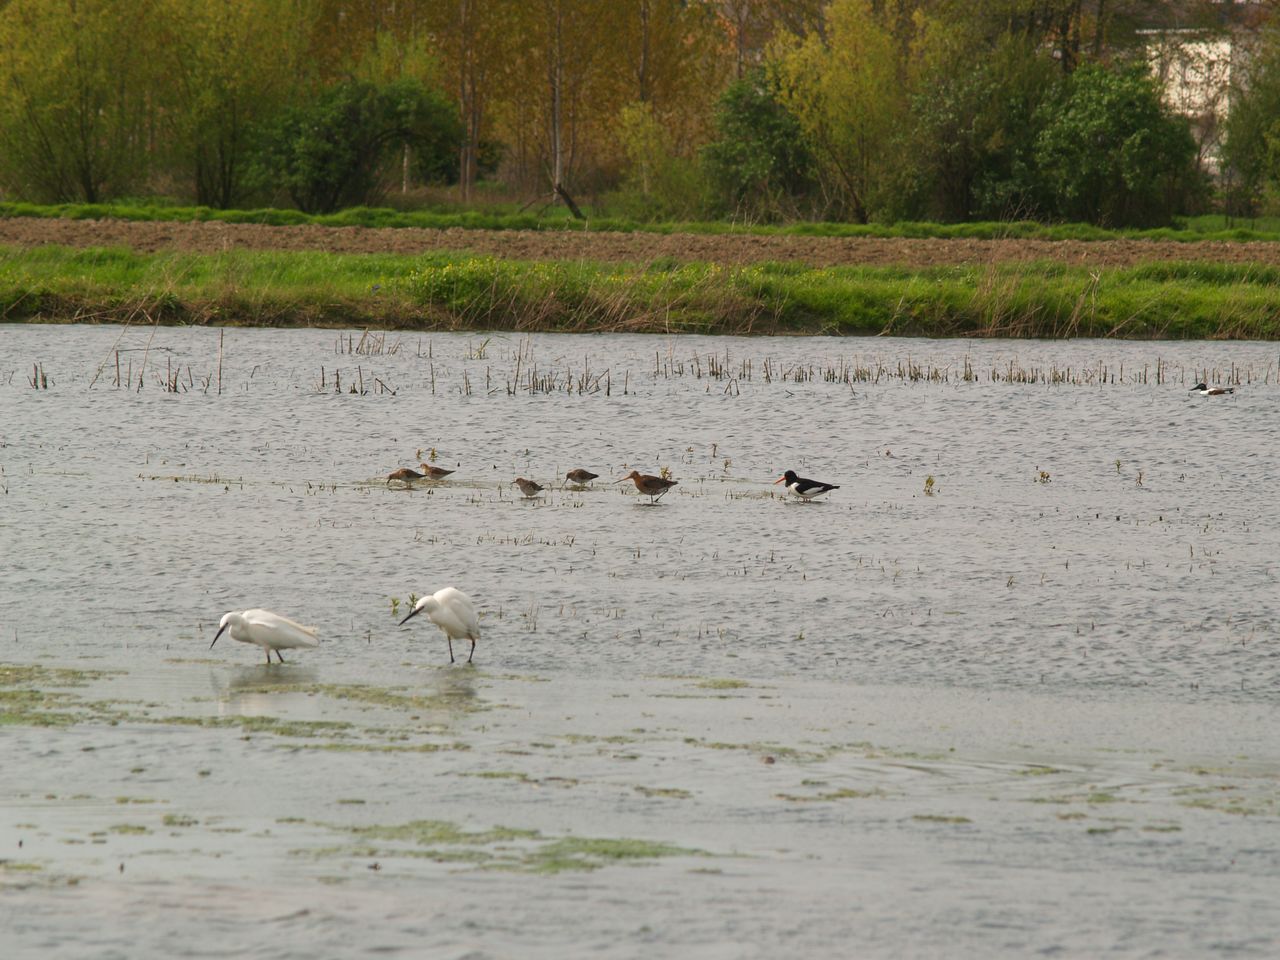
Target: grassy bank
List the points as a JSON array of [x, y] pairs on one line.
[[1197, 229], [1173, 300]]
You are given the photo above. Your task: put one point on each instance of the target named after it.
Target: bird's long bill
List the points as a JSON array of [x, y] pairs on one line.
[[620, 479], [217, 635], [412, 613], [778, 481]]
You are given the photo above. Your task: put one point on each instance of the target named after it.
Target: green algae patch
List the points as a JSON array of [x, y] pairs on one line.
[[771, 751], [1096, 798], [586, 853], [498, 775], [592, 738], [347, 747], [24, 701], [673, 792], [179, 820], [939, 818], [392, 698], [129, 829], [844, 793], [275, 726], [497, 848], [35, 675], [723, 684], [432, 832], [37, 708]]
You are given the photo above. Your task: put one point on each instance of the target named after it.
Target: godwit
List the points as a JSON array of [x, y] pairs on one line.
[[453, 612], [651, 486], [268, 630], [805, 489]]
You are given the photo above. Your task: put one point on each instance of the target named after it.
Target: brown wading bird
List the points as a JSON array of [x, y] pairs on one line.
[[404, 475], [407, 475], [651, 486], [434, 473], [580, 477], [528, 487]]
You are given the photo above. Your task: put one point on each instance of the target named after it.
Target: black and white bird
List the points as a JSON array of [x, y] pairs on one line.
[[1207, 391], [804, 488]]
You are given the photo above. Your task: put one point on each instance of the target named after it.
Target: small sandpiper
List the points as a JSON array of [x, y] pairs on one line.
[[431, 472], [404, 475], [580, 477], [528, 487]]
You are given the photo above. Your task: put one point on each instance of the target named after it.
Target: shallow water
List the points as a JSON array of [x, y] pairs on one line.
[[1032, 709]]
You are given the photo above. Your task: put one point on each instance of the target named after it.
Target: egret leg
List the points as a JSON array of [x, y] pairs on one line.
[[450, 639], [473, 650], [280, 655], [268, 649]]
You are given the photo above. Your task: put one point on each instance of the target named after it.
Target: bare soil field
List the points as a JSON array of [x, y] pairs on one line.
[[209, 237]]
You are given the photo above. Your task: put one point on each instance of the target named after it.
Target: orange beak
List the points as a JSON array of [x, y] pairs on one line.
[[778, 481]]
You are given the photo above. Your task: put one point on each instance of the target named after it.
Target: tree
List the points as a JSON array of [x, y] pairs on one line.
[[752, 25], [847, 93], [975, 118], [333, 152], [759, 162], [1111, 154], [229, 64], [474, 39], [75, 110], [562, 87], [1251, 147]]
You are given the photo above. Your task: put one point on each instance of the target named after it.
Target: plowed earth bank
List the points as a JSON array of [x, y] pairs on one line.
[[211, 237]]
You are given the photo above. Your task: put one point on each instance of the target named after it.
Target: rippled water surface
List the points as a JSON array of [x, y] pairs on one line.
[[1012, 688]]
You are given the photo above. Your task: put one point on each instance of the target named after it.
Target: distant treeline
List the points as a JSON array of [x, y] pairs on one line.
[[749, 110]]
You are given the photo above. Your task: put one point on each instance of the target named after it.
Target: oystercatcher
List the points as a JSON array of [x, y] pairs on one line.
[[803, 488]]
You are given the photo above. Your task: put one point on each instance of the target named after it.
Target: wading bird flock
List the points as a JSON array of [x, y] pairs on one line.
[[450, 609]]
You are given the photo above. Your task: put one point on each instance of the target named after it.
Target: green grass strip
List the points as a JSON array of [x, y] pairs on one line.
[[461, 291]]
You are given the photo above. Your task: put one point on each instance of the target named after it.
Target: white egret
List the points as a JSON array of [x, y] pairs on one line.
[[453, 612], [804, 488], [268, 630]]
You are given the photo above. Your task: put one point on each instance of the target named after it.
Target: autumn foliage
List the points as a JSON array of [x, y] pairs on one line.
[[757, 110]]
